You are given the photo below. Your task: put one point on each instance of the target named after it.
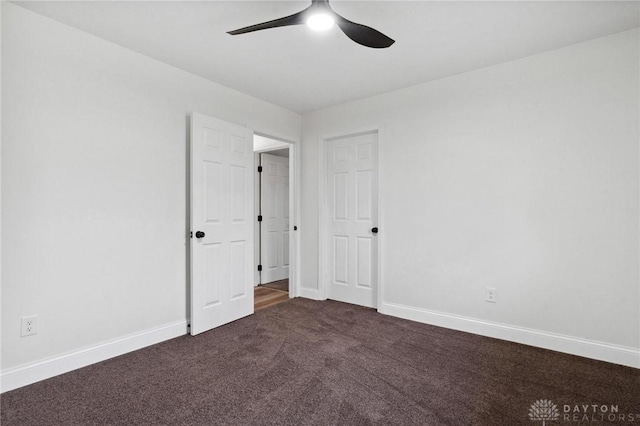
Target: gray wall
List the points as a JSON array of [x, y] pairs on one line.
[[94, 185], [521, 176]]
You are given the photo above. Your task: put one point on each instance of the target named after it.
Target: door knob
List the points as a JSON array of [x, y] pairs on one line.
[[199, 234], [374, 230]]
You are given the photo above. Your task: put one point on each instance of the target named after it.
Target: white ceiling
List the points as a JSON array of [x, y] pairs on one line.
[[303, 71]]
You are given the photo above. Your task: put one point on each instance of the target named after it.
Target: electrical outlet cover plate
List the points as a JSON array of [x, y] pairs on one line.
[[29, 325], [491, 295]]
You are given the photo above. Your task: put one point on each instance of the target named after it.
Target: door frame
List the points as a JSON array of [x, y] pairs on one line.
[[323, 288], [294, 209]]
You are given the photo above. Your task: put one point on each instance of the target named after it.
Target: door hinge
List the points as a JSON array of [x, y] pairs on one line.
[[259, 268], [259, 169], [259, 218]]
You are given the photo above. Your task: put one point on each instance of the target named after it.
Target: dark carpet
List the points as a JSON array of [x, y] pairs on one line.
[[282, 285], [325, 363]]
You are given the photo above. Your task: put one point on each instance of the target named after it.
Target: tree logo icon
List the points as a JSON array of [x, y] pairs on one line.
[[545, 410]]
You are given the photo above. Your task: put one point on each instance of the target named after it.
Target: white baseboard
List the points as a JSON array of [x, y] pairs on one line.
[[572, 345], [308, 293], [14, 378], [17, 377]]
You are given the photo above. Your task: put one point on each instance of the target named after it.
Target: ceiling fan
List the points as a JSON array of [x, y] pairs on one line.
[[320, 16]]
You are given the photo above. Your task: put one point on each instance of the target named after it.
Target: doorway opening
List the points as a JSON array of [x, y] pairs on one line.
[[274, 228]]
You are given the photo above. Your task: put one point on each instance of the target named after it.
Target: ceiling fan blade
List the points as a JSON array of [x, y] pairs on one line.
[[363, 35], [295, 19]]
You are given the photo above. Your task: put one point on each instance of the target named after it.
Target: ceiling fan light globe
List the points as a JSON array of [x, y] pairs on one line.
[[320, 21]]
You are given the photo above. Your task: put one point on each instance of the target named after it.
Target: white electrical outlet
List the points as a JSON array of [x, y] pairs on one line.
[[29, 325], [491, 294]]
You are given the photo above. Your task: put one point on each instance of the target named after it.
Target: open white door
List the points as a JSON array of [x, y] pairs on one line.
[[352, 200], [274, 230], [221, 222]]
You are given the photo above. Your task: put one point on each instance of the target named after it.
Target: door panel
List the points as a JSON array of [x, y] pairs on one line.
[[212, 192], [212, 254], [285, 249], [365, 258], [352, 206], [222, 208], [275, 218]]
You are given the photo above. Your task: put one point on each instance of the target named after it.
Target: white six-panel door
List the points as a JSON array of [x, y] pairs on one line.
[[351, 244], [222, 210], [274, 230]]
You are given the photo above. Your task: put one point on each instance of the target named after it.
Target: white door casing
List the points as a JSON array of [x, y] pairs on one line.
[[352, 213], [222, 208], [274, 238]]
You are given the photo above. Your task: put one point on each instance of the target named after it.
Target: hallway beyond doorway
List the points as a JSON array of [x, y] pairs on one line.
[[271, 294], [282, 285]]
